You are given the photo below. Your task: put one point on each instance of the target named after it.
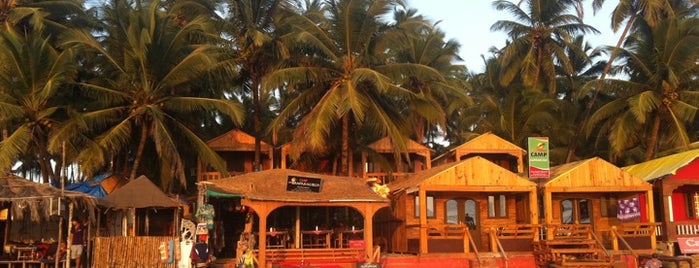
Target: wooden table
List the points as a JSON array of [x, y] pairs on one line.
[[316, 238], [277, 239]]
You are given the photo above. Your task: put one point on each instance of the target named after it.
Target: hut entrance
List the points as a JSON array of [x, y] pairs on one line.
[[576, 211], [314, 227]]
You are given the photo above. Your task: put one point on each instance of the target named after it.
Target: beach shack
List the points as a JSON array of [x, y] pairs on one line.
[[381, 160], [604, 202], [137, 220], [237, 148], [458, 208], [301, 218], [675, 180], [31, 218]]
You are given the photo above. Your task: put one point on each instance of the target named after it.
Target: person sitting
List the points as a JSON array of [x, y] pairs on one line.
[[50, 255], [653, 262]]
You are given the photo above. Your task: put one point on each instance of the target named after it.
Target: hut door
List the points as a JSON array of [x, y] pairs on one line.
[[472, 220], [576, 211]]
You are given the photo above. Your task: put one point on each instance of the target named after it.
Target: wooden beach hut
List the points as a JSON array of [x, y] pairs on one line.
[[237, 148], [452, 207], [273, 191], [588, 194], [675, 180], [381, 161], [138, 219], [488, 146]]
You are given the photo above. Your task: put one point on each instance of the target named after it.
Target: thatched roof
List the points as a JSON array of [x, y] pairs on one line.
[[271, 185], [139, 193], [37, 198]]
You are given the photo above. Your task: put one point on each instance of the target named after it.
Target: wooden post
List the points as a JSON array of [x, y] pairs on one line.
[[651, 218], [615, 241], [369, 228], [422, 201]]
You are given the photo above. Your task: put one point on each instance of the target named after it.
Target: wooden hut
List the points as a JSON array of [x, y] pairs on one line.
[[382, 162], [588, 193], [488, 146], [139, 217], [269, 191], [675, 180], [32, 215], [237, 148], [454, 206]]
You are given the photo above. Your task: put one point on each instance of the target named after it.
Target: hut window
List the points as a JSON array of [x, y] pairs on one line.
[[497, 206], [452, 212], [608, 207], [430, 206], [692, 205]]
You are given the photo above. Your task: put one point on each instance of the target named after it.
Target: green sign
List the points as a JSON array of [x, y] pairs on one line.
[[539, 157]]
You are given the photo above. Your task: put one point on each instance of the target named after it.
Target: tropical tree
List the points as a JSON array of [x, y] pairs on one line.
[[256, 50], [31, 79], [538, 40], [347, 82], [424, 44], [150, 67], [652, 11], [654, 107]]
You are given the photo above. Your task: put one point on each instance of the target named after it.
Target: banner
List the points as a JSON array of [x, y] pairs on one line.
[[539, 157]]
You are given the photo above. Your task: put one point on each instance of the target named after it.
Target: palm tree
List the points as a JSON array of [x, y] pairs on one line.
[[31, 80], [539, 38], [147, 91], [256, 49], [654, 107], [425, 44], [346, 80], [627, 11]]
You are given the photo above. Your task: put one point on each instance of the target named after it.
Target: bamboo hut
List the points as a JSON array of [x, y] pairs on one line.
[[237, 148], [36, 211], [453, 207], [271, 191], [675, 180], [139, 217], [589, 193], [382, 162]]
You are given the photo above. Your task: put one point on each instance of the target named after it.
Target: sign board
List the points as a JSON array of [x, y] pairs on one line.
[[356, 243], [539, 166], [688, 245], [369, 265], [303, 184]]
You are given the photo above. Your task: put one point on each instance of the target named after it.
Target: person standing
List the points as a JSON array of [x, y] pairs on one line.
[[77, 240]]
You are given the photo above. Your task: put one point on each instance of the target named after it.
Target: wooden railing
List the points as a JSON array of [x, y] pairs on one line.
[[386, 177], [310, 256]]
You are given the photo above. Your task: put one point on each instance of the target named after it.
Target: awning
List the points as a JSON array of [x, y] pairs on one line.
[[211, 193]]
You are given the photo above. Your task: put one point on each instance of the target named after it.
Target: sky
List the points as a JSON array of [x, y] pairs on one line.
[[469, 21]]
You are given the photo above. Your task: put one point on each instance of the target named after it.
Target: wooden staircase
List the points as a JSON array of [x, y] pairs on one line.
[[571, 246]]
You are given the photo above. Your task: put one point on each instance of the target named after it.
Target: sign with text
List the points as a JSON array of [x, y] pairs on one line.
[[369, 265], [539, 157], [303, 184], [688, 245]]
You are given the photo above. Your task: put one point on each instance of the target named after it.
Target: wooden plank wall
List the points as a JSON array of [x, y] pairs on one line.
[[140, 251]]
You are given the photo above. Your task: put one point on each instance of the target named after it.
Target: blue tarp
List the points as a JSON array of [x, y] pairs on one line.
[[92, 187]]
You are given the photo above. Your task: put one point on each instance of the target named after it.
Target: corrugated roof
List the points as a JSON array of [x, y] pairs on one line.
[[270, 185], [663, 166]]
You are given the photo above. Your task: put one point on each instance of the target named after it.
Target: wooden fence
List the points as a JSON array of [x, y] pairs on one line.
[[132, 252]]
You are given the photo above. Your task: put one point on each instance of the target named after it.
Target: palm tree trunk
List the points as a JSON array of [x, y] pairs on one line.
[[344, 159], [652, 140], [256, 122], [139, 152], [588, 110]]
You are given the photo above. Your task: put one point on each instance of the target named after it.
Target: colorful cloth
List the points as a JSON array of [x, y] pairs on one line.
[[627, 209], [206, 213]]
